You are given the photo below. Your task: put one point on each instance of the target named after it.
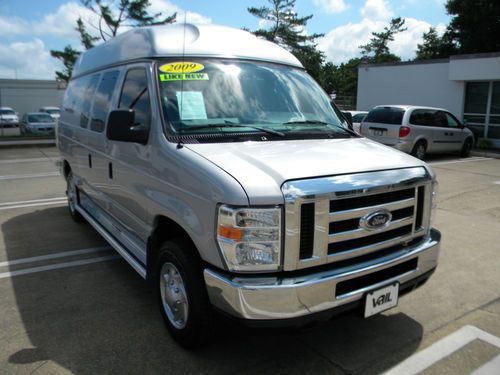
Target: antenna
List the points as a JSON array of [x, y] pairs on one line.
[[179, 145]]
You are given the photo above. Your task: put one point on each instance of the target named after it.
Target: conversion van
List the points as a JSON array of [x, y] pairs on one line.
[[218, 168]]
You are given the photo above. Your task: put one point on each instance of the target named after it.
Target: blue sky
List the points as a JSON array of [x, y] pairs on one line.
[[29, 28]]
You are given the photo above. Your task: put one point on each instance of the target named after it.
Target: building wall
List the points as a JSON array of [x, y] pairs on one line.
[[29, 95], [425, 84]]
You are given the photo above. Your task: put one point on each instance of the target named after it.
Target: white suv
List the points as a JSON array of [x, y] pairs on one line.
[[417, 130]]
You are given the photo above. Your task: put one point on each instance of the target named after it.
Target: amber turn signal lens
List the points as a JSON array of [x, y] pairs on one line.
[[230, 233]]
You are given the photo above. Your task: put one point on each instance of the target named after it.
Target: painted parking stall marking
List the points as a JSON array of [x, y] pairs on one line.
[[33, 203], [445, 347], [467, 160], [109, 254]]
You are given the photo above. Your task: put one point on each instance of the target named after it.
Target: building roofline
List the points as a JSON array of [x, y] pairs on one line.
[[435, 61]]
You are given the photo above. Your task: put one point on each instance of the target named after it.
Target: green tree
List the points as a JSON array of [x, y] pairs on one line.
[[377, 50], [474, 26], [434, 46], [130, 13], [287, 29]]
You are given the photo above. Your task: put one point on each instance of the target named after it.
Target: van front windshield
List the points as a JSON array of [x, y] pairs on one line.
[[227, 96]]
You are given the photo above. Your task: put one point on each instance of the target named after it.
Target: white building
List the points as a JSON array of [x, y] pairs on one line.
[[29, 95], [466, 85]]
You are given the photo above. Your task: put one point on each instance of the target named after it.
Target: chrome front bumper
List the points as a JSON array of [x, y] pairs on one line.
[[270, 298]]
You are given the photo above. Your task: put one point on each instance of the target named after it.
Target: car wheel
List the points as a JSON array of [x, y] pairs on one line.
[[466, 148], [182, 294], [72, 198], [419, 150]]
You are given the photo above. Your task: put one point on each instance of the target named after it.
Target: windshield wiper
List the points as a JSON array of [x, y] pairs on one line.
[[229, 124], [317, 122], [314, 122]]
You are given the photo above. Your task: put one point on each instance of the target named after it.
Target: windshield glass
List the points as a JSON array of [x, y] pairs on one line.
[[40, 118], [53, 111], [7, 112], [228, 96]]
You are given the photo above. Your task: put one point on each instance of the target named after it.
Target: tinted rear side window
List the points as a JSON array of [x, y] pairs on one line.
[[102, 101], [386, 115], [87, 100]]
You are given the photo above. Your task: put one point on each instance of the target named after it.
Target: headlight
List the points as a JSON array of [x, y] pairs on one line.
[[250, 238], [435, 189]]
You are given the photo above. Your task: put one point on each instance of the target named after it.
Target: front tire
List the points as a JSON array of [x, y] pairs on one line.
[[182, 295], [419, 150], [466, 148]]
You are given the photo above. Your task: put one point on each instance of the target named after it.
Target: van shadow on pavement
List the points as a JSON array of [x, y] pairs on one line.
[[103, 318]]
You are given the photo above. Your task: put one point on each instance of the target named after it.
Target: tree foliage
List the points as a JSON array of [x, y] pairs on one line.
[[287, 29], [111, 15], [474, 26], [377, 50], [434, 46]]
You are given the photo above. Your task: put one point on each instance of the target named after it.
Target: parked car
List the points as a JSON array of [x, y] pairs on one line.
[[357, 117], [218, 168], [37, 123], [8, 118], [54, 112], [417, 130]]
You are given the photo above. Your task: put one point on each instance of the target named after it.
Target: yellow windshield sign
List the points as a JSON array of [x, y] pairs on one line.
[[181, 67]]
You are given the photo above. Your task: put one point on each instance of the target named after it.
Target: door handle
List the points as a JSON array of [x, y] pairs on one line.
[[90, 161], [110, 171]]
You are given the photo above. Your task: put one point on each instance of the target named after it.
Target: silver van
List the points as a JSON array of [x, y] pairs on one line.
[[417, 130], [219, 169]]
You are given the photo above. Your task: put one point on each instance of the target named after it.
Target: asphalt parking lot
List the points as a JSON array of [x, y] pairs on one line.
[[69, 304]]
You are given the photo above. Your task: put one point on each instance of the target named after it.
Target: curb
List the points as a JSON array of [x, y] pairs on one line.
[[29, 143], [486, 154]]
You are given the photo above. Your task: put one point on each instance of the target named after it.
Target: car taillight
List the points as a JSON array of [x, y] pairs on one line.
[[404, 131]]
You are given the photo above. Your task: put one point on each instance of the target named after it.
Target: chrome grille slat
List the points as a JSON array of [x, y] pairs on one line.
[[341, 201], [358, 233], [368, 249], [359, 212]]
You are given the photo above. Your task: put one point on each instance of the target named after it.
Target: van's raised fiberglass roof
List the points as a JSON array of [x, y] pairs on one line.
[[182, 39]]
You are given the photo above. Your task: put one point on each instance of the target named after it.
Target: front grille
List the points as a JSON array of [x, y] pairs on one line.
[[328, 227]]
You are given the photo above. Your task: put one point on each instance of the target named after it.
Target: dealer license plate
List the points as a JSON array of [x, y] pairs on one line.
[[381, 299]]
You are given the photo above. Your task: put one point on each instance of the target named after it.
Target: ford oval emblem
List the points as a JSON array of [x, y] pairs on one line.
[[376, 220]]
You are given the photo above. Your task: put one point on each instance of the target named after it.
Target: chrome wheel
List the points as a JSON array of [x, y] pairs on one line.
[[174, 296]]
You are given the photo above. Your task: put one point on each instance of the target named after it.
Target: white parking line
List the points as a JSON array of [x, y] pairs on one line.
[[461, 161], [33, 203], [54, 256], [441, 349], [75, 263], [32, 175], [33, 160]]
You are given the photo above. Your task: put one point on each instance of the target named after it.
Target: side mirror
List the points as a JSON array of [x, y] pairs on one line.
[[464, 123], [121, 127]]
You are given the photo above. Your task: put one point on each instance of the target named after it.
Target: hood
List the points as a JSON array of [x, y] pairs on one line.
[[262, 167]]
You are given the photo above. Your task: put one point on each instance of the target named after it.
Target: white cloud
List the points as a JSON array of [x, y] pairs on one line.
[[13, 26], [342, 43], [27, 60], [331, 6], [376, 10], [167, 8]]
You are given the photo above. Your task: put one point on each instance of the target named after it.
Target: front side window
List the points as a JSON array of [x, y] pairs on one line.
[[225, 97], [135, 95], [452, 122]]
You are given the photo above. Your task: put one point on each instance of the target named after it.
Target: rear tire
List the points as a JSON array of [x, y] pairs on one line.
[[71, 192], [419, 150], [466, 148], [182, 294]]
